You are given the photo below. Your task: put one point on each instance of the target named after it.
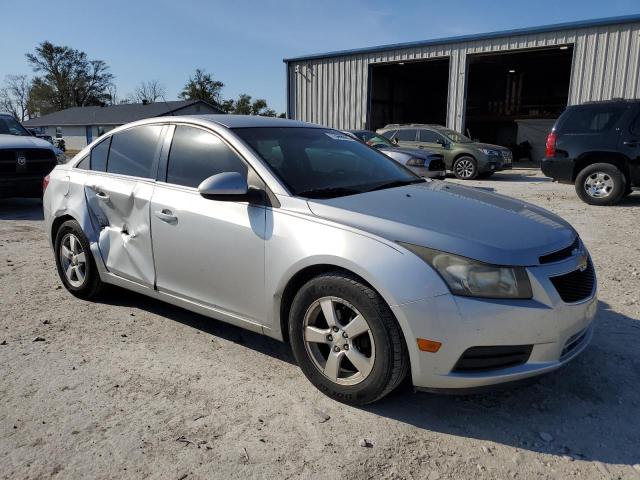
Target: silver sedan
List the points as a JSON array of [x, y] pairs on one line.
[[304, 234]]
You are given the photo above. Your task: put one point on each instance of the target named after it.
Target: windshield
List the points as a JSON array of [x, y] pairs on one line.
[[455, 136], [322, 163], [10, 126], [373, 139]]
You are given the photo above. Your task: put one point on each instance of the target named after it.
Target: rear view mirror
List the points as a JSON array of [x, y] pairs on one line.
[[224, 186]]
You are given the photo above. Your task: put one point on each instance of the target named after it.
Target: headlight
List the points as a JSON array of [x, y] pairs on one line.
[[491, 153], [415, 162], [471, 278]]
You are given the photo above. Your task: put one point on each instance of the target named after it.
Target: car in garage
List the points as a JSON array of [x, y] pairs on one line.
[[305, 234], [421, 161], [24, 160], [596, 147], [466, 158]]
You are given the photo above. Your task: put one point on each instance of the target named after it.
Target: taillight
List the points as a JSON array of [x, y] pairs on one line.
[[551, 145], [45, 183]]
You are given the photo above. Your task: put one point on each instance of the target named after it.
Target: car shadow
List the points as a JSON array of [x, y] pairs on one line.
[[589, 407], [21, 209], [260, 343]]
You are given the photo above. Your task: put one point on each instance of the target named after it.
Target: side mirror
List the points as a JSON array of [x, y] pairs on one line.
[[395, 141], [225, 186]]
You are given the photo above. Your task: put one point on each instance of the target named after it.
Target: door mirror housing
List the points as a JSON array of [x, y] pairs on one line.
[[225, 186], [395, 141]]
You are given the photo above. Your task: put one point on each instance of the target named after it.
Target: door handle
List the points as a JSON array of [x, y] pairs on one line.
[[631, 143], [166, 216], [102, 196]]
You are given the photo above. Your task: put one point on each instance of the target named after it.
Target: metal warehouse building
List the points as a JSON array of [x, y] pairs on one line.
[[501, 87]]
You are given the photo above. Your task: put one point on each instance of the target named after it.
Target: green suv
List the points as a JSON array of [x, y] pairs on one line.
[[464, 157]]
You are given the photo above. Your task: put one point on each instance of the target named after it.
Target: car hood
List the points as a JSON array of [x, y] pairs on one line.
[[414, 152], [489, 146], [17, 141], [467, 221]]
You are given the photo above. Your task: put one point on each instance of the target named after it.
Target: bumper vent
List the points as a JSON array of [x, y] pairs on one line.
[[560, 254], [436, 165], [574, 342], [576, 285], [478, 359]]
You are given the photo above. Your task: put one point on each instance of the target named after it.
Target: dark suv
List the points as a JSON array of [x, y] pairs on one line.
[[596, 146]]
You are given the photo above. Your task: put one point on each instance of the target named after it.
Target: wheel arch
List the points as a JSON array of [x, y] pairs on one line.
[[57, 223], [296, 282], [613, 158]]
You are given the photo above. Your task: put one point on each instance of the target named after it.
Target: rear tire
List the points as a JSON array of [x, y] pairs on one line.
[[465, 168], [75, 263], [601, 184], [363, 357]]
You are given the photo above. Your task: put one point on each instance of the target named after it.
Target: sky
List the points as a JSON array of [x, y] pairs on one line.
[[242, 43]]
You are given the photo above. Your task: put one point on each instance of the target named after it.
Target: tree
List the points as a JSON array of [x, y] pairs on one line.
[[148, 92], [15, 97], [202, 86], [245, 106], [67, 78]]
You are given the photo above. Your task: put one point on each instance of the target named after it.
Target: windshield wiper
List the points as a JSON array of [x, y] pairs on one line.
[[396, 183], [328, 192]]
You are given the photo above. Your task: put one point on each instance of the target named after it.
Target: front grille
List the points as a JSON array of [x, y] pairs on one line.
[[574, 342], [39, 161], [436, 165], [577, 285], [477, 359], [560, 254]]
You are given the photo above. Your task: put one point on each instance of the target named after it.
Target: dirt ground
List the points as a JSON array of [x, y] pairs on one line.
[[128, 387]]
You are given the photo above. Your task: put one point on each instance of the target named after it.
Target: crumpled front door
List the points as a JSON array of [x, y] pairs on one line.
[[120, 214]]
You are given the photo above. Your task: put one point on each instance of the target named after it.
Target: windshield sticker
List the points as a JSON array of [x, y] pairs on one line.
[[340, 136]]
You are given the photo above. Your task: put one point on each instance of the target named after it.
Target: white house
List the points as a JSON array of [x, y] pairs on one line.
[[79, 126]]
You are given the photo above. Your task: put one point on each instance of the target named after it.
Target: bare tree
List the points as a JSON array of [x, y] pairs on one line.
[[112, 91], [15, 96], [148, 91]]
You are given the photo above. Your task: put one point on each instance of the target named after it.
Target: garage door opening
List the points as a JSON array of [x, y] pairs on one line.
[[408, 92], [513, 98]]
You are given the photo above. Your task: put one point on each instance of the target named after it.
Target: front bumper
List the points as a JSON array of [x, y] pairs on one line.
[[545, 322], [26, 187], [426, 173]]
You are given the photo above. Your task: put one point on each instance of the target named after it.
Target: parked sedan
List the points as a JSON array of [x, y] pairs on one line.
[[304, 234], [423, 162]]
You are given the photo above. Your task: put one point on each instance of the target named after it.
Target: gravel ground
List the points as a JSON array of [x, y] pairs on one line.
[[128, 387]]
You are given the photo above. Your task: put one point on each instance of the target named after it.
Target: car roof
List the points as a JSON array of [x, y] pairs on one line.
[[246, 121], [415, 125]]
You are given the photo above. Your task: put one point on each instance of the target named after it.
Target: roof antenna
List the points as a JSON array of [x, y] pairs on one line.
[[167, 105]]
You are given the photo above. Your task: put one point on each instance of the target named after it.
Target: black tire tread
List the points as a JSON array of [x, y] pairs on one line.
[[619, 178]]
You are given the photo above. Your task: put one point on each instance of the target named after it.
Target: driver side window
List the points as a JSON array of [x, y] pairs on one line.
[[196, 154]]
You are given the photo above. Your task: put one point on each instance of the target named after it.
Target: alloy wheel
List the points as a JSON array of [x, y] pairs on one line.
[[598, 185], [339, 341], [464, 168], [73, 260]]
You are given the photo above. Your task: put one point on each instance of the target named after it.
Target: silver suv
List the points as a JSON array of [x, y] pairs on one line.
[[307, 235]]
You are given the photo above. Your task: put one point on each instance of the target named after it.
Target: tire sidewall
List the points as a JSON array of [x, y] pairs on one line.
[[336, 286], [619, 184], [71, 226], [475, 167]]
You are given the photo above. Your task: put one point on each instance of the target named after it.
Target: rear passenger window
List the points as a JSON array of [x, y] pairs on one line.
[[133, 151], [429, 136], [592, 118], [196, 154], [406, 135], [84, 163], [99, 155]]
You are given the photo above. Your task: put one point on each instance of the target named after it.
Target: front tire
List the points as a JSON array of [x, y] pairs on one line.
[[465, 168], [601, 184], [74, 261], [346, 340]]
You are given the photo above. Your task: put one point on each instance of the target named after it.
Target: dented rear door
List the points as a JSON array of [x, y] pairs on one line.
[[119, 200]]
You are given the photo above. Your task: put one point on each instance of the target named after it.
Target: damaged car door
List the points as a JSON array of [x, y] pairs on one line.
[[119, 200]]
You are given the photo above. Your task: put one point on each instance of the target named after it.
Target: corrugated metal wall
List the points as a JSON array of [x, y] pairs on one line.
[[334, 91]]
